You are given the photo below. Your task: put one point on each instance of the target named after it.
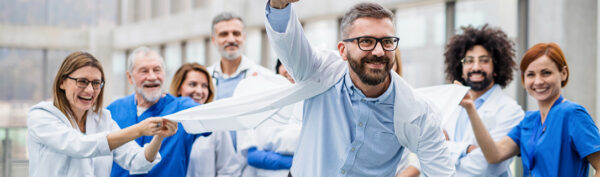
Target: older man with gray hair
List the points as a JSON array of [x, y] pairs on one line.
[[146, 71]]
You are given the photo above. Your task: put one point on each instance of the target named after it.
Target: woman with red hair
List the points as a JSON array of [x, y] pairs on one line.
[[559, 139]]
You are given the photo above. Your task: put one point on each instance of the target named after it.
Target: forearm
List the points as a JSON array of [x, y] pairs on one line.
[[120, 137], [410, 171], [152, 149], [483, 137]]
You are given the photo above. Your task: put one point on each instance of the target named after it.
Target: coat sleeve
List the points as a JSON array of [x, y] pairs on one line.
[[431, 148], [130, 155], [49, 130], [291, 45], [474, 163], [227, 164]]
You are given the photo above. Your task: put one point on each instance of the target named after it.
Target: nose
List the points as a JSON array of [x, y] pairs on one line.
[[198, 90], [230, 38], [538, 80], [89, 88], [378, 50], [152, 76], [476, 65]]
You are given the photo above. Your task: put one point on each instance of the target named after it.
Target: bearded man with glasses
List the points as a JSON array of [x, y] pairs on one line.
[[362, 116]]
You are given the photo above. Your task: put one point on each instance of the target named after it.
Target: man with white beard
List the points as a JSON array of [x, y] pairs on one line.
[[228, 36], [146, 71]]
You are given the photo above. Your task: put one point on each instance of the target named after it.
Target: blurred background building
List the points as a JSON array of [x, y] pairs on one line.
[[36, 35]]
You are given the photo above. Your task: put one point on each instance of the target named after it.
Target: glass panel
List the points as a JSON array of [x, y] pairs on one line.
[[22, 78], [498, 13], [253, 45], [23, 12], [172, 61], [118, 81], [196, 51], [322, 33], [421, 32]]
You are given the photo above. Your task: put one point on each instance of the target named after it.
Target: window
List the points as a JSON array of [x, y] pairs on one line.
[[422, 34]]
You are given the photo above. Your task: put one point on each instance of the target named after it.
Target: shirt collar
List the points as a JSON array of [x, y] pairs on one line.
[[355, 93], [479, 101], [245, 64]]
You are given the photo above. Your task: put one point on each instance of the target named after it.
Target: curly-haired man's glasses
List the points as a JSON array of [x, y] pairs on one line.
[[482, 60]]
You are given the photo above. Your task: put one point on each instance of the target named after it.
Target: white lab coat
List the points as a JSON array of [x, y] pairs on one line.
[[252, 70], [57, 149], [213, 156], [280, 133], [500, 114]]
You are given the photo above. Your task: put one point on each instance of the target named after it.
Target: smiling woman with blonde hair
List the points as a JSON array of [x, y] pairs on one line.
[[212, 155], [74, 136], [194, 81]]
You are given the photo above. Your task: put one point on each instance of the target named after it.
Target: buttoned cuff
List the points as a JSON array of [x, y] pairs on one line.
[[278, 18]]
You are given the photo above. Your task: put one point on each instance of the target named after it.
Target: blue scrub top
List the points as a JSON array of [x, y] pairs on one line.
[[175, 150], [559, 146]]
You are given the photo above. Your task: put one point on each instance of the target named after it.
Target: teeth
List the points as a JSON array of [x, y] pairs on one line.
[[540, 90], [85, 98]]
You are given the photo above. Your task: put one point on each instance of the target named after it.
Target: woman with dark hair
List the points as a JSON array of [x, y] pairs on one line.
[[559, 139], [211, 155], [74, 135]]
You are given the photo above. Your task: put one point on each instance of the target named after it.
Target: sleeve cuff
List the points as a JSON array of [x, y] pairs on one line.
[[145, 165], [457, 149], [278, 18], [103, 147]]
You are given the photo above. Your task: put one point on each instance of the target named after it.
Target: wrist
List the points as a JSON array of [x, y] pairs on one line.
[[278, 4], [137, 130], [470, 108]]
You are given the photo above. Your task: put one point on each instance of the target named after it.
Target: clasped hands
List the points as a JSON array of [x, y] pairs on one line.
[[157, 126]]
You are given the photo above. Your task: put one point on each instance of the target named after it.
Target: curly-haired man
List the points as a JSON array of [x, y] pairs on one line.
[[480, 58]]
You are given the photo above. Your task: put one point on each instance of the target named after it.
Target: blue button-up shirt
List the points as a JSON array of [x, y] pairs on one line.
[[344, 133]]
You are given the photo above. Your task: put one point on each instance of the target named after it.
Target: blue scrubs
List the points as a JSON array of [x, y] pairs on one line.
[[557, 147], [175, 150]]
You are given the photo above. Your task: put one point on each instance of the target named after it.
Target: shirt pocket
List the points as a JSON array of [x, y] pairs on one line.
[[382, 149]]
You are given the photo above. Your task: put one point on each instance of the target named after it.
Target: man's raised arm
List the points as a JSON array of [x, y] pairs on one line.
[[287, 39]]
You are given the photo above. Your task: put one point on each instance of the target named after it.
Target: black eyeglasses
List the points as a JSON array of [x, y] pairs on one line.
[[83, 83], [368, 43]]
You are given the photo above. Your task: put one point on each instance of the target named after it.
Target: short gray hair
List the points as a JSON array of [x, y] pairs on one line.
[[224, 16], [143, 50], [365, 9]]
